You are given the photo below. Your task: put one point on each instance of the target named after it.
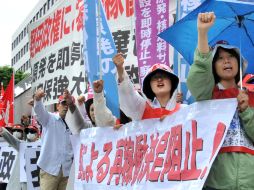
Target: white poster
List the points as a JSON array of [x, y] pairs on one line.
[[56, 50], [22, 157], [8, 157], [32, 170], [176, 153]]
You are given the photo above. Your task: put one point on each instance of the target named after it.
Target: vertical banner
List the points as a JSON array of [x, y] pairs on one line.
[[7, 104], [186, 6], [56, 50], [95, 40], [151, 19]]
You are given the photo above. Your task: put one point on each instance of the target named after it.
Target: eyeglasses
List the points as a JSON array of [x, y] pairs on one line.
[[30, 131], [17, 130], [159, 76]]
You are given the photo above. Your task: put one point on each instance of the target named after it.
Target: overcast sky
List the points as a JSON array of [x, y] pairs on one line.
[[12, 14]]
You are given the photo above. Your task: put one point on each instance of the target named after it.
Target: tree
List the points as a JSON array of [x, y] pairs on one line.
[[6, 72]]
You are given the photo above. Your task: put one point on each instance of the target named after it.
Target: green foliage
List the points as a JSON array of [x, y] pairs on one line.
[[5, 75]]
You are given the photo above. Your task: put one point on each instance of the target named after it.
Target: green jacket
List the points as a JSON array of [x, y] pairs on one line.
[[230, 171]]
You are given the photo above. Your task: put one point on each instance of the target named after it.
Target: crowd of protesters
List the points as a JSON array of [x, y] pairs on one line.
[[219, 66]]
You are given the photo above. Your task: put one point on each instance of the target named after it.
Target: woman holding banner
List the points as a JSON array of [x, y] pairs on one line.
[[214, 75], [159, 86]]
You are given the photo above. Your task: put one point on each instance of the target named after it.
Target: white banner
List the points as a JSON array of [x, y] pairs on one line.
[[22, 157], [173, 154], [8, 157], [32, 170], [56, 50]]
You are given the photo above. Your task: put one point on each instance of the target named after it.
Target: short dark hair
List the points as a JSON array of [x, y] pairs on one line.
[[88, 104], [216, 57]]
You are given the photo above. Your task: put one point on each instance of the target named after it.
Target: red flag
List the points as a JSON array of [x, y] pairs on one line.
[[6, 109]]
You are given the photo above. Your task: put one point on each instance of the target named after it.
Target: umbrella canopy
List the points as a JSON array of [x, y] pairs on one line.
[[234, 24]]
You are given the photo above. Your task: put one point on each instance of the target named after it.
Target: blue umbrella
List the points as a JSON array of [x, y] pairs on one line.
[[234, 24]]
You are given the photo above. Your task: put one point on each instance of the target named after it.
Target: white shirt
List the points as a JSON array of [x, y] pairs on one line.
[[133, 104], [56, 149], [103, 115]]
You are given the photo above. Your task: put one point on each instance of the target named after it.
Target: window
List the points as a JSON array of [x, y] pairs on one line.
[[44, 8], [48, 4], [27, 46], [37, 15], [41, 12], [24, 31], [27, 65]]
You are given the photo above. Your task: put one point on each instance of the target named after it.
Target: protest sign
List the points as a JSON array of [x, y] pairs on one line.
[[176, 153], [8, 157], [22, 157], [56, 50], [32, 170]]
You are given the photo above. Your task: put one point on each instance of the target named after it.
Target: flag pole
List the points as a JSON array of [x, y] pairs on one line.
[[99, 33], [241, 65], [178, 54]]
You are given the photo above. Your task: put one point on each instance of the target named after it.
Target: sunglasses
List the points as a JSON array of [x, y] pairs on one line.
[[30, 131], [17, 130]]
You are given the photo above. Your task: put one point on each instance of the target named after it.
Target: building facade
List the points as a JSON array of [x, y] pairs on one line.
[[20, 41]]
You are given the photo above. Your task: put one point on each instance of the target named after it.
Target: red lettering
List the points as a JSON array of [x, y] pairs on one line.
[[81, 172], [140, 150], [176, 154], [167, 161], [46, 32], [128, 161], [149, 158], [158, 162], [79, 19], [57, 26], [116, 169], [113, 8], [66, 29], [129, 8], [105, 161], [94, 156], [197, 145]]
